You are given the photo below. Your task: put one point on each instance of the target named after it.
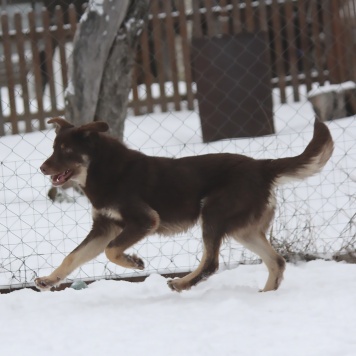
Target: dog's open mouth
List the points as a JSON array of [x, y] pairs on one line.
[[61, 178]]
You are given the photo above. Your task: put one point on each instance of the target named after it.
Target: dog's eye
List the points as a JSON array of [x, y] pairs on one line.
[[66, 149]]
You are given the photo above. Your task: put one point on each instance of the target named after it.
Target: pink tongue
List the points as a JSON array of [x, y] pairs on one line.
[[59, 178]]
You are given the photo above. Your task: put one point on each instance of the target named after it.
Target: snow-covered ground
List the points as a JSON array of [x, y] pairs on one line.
[[312, 314]]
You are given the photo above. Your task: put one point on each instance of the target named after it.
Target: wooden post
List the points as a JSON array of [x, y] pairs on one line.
[[171, 39], [305, 43], [48, 48], [36, 67], [338, 52], [186, 54], [292, 49], [145, 50], [61, 44], [9, 71], [281, 75], [20, 42], [158, 51]]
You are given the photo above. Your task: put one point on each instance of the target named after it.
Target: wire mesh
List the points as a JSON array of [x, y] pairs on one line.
[[316, 216]]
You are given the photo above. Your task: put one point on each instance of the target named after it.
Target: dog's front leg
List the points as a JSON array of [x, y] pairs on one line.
[[103, 231], [144, 221]]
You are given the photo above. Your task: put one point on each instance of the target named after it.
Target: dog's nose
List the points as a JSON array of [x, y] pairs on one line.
[[43, 168]]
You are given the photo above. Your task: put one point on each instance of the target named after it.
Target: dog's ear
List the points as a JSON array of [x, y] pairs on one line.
[[60, 123], [95, 126]]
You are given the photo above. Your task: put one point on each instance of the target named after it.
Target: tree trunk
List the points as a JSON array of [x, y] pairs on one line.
[[116, 80], [100, 66]]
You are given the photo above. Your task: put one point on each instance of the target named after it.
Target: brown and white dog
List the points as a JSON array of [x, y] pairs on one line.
[[134, 195]]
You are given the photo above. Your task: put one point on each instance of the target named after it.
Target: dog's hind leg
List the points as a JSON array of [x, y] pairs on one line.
[[257, 242], [208, 265], [102, 232], [212, 238]]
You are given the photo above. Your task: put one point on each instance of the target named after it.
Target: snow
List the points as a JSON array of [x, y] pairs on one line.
[[332, 88], [313, 313], [97, 6], [70, 90], [93, 6]]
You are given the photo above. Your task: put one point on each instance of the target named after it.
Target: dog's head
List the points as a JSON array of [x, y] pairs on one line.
[[71, 150]]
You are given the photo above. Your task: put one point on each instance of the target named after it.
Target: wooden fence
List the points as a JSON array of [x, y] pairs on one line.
[[309, 41]]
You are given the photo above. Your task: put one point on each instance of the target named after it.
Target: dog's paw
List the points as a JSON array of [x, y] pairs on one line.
[[46, 283], [135, 261], [176, 285]]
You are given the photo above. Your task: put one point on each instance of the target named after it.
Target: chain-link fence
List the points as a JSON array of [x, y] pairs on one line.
[[210, 76]]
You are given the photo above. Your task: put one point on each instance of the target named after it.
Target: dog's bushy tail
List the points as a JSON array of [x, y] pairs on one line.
[[310, 162]]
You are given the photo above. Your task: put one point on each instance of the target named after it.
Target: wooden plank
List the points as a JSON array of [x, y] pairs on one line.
[[20, 44], [292, 48], [263, 27], [318, 59], [250, 25], [9, 72], [145, 52], [352, 33], [156, 101], [186, 54], [36, 67], [278, 50], [236, 17], [348, 15], [135, 97], [48, 49], [2, 118], [197, 20], [262, 17], [157, 41], [72, 20], [224, 18], [305, 43], [327, 30], [209, 19], [338, 71], [60, 37], [12, 33], [34, 115], [171, 40]]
